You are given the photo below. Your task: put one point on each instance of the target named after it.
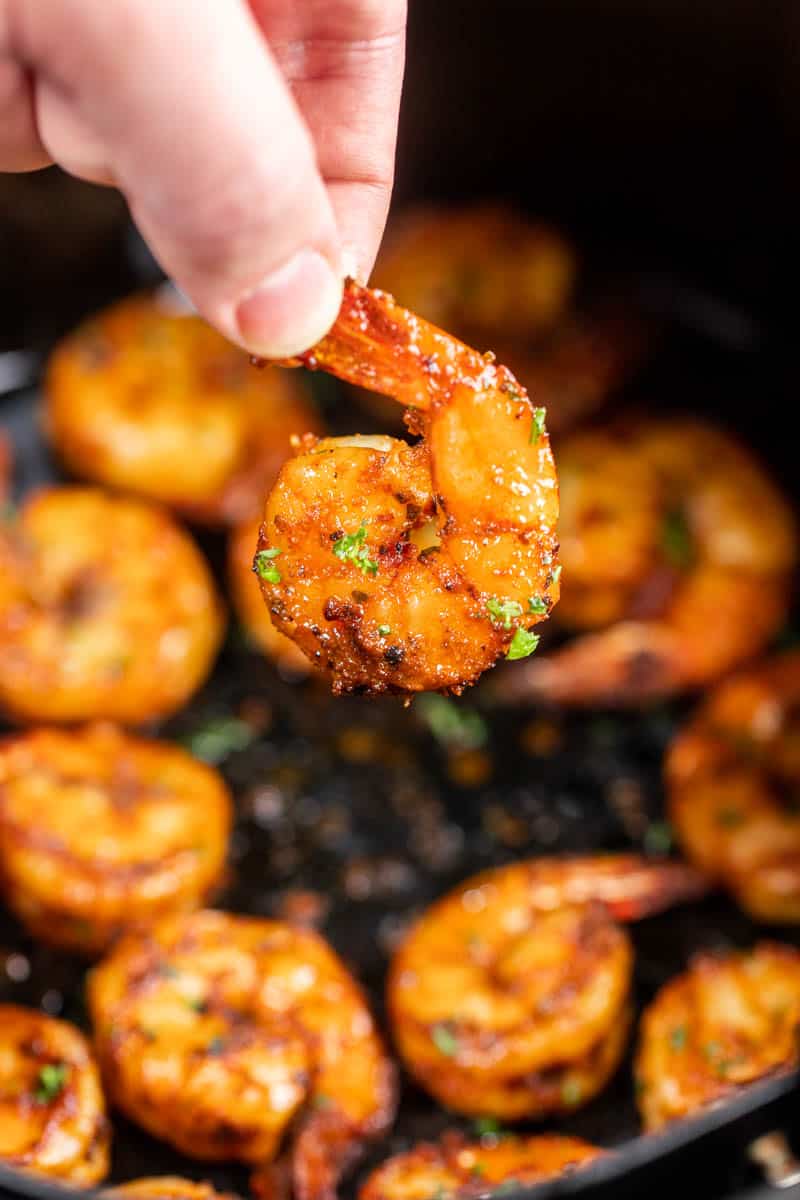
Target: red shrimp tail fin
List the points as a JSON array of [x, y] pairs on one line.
[[631, 886], [325, 1147]]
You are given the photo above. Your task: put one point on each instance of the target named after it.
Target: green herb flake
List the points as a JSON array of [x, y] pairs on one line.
[[487, 1127], [677, 543], [477, 1170], [50, 1082], [555, 574], [658, 838], [537, 425], [538, 605], [571, 1093], [523, 643], [453, 724], [503, 612], [321, 1101], [384, 630], [352, 547], [195, 1003], [729, 818], [265, 568], [677, 1037], [444, 1039], [218, 738], [216, 1046]]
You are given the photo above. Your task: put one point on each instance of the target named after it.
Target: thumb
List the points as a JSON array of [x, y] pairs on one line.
[[181, 103]]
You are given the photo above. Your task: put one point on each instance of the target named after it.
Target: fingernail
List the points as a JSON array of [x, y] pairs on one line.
[[292, 308]]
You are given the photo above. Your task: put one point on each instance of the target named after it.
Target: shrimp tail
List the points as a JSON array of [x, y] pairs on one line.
[[378, 345], [631, 886], [326, 1147]]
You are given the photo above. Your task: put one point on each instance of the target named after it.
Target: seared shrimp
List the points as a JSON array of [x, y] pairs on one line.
[[249, 603], [166, 1187], [733, 778], [100, 831], [677, 549], [455, 1168], [52, 1113], [218, 1033], [157, 403], [107, 609], [404, 568], [512, 995], [729, 1021]]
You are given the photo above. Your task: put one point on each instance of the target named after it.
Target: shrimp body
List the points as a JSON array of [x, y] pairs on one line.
[[512, 995], [728, 1021], [101, 831], [154, 402], [218, 1032], [52, 1112], [678, 553], [457, 1168], [166, 1187], [107, 610], [733, 778], [411, 568]]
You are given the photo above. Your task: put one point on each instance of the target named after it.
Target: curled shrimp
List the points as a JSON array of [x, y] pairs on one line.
[[733, 779], [218, 1033], [52, 1111], [455, 1168], [401, 568], [512, 995], [728, 1021], [678, 552]]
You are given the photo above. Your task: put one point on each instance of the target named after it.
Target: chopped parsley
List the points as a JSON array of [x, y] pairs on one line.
[[502, 612], [50, 1082], [444, 1039], [537, 424], [677, 1037], [538, 605], [487, 1127], [219, 737], [555, 574], [658, 838], [676, 539], [321, 1101], [352, 547], [453, 725], [729, 818], [265, 568], [523, 643], [384, 630], [571, 1093], [195, 1003], [477, 1170], [216, 1046]]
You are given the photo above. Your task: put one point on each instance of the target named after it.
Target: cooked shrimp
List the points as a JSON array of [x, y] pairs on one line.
[[157, 403], [730, 1020], [166, 1187], [218, 1033], [404, 568], [100, 831], [249, 603], [107, 609], [678, 552], [52, 1113], [733, 778], [512, 995], [457, 1168]]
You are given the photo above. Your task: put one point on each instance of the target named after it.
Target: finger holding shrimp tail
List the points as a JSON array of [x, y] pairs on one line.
[[405, 568]]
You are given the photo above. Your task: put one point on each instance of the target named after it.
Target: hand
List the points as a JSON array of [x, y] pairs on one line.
[[253, 139]]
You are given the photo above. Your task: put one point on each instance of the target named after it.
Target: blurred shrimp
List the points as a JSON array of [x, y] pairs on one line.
[[402, 568], [107, 609], [221, 1033], [512, 995], [151, 400], [249, 603], [166, 1187], [728, 1021], [733, 779], [52, 1112], [455, 1168], [101, 831], [678, 553]]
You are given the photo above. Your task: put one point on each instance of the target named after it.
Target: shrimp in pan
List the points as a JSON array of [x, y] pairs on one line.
[[728, 1021], [678, 554], [166, 1187], [400, 568], [101, 831], [512, 995], [733, 780], [455, 1168], [221, 1033], [52, 1112], [155, 402], [107, 610]]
